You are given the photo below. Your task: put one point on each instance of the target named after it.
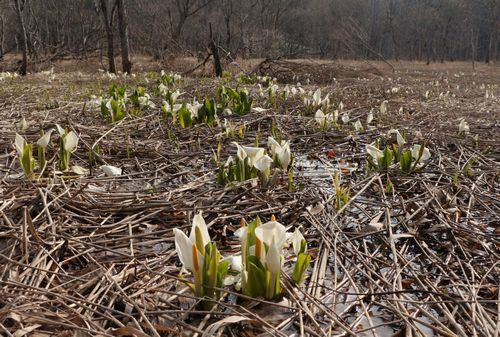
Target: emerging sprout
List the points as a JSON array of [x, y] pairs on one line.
[[25, 154], [68, 142], [42, 143]]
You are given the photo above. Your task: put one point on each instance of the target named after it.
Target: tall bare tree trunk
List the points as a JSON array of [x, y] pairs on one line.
[[215, 53], [2, 36], [24, 39], [108, 25], [124, 42]]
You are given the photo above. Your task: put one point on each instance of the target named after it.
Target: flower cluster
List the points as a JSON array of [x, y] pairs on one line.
[[260, 263], [409, 160], [251, 162]]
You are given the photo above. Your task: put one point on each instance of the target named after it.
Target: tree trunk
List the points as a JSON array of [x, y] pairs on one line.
[[2, 36], [215, 53], [124, 43], [24, 39], [108, 25]]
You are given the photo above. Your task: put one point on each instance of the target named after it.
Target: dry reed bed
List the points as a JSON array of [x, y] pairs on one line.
[[95, 255]]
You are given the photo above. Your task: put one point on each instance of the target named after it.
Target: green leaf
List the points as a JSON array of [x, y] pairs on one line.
[[184, 117], [256, 282], [303, 261], [386, 161], [405, 161]]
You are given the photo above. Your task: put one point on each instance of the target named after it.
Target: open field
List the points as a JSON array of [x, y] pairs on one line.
[[406, 254]]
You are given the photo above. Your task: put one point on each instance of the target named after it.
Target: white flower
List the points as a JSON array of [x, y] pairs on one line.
[[22, 124], [263, 164], [463, 126], [95, 101], [252, 153], [345, 118], [369, 118], [19, 144], [163, 89], [358, 126], [297, 239], [185, 247], [317, 97], [426, 154], [175, 95], [111, 171], [282, 151], [45, 139], [145, 101], [70, 142], [320, 118], [401, 141], [241, 152], [374, 152], [383, 108], [259, 110], [273, 258], [271, 232]]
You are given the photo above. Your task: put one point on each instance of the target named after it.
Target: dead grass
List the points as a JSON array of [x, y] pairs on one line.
[[94, 256]]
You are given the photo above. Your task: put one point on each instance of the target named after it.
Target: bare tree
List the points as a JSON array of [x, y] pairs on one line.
[[2, 36], [185, 9], [124, 43], [18, 7], [107, 15]]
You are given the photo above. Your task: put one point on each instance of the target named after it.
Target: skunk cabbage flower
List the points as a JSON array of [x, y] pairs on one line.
[[42, 143], [24, 152], [401, 141], [272, 232], [320, 118], [281, 151], [70, 142], [383, 108], [415, 153], [374, 152], [297, 240], [111, 171], [358, 126], [263, 164], [369, 118], [190, 249], [19, 144], [252, 153], [463, 126]]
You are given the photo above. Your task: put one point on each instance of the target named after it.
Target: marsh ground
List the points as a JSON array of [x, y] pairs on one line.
[[94, 255]]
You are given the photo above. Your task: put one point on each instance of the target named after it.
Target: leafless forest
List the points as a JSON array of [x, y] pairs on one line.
[[429, 30], [249, 168]]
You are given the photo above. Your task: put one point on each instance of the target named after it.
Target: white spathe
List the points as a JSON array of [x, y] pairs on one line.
[[297, 239], [45, 139], [320, 117], [426, 154], [263, 164], [374, 152], [399, 138], [19, 144], [271, 232], [70, 142], [111, 171], [185, 246]]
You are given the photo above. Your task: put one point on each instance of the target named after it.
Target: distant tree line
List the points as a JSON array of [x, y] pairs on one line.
[[428, 30]]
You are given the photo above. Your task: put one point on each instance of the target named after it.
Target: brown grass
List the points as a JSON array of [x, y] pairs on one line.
[[94, 255]]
